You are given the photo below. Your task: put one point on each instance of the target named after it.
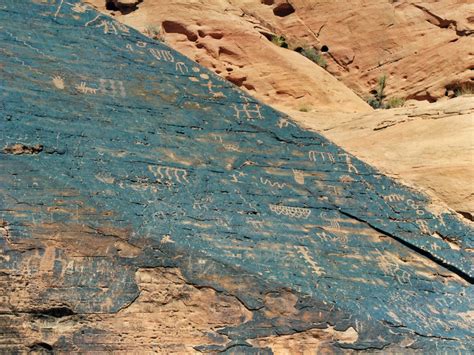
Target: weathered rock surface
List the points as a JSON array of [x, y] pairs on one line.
[[231, 44], [428, 145], [424, 47], [148, 205], [423, 57]]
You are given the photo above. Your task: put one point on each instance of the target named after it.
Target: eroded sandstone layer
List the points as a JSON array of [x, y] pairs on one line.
[[147, 205], [425, 48], [428, 145], [223, 38]]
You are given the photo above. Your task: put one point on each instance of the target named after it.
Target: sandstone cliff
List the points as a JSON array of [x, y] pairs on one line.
[[424, 47], [220, 36], [147, 205]]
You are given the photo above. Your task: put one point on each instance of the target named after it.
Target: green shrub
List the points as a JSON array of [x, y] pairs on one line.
[[279, 41], [372, 101], [316, 57], [395, 102], [464, 89], [377, 101], [154, 32], [378, 93]]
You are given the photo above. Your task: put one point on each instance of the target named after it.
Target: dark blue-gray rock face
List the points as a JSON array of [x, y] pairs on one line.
[[148, 205]]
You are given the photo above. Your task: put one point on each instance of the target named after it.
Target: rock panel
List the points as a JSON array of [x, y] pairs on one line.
[[169, 211]]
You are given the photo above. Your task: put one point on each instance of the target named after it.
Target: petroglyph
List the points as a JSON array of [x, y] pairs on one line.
[[416, 206], [203, 203], [168, 174], [333, 223], [162, 55], [83, 88], [108, 26], [424, 228], [335, 190], [59, 8], [231, 147], [167, 239], [323, 156], [283, 123], [323, 236], [346, 179], [326, 237], [257, 225], [182, 67], [79, 8], [298, 175], [293, 212], [304, 252], [235, 176], [58, 82], [210, 86], [394, 198], [112, 87], [247, 111], [224, 222], [350, 166], [391, 268], [435, 246], [136, 48], [276, 184]]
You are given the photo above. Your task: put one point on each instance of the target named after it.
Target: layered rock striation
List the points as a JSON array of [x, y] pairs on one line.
[[147, 205], [424, 48]]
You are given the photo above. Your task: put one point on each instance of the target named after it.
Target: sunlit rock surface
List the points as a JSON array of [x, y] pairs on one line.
[[148, 205]]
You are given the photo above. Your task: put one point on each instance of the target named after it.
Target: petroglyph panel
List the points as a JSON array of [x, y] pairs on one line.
[[163, 55], [166, 173], [293, 212], [135, 184], [247, 111], [107, 25]]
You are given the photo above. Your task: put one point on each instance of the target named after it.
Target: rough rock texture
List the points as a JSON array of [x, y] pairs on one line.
[[424, 47], [218, 35], [148, 205], [428, 145], [418, 53]]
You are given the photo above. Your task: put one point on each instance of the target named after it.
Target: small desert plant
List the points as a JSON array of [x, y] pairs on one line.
[[154, 32], [394, 102], [313, 55], [279, 41], [464, 89], [378, 93], [304, 109], [377, 100]]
